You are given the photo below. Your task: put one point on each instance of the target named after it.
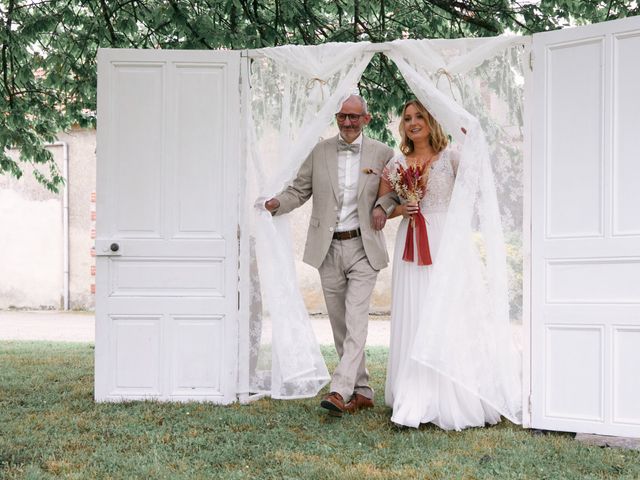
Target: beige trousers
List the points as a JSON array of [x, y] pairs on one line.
[[347, 280]]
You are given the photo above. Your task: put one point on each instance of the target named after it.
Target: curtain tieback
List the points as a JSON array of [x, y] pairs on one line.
[[315, 82], [443, 71]]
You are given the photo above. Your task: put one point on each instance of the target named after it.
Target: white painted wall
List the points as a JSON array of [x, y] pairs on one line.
[[30, 248], [31, 232]]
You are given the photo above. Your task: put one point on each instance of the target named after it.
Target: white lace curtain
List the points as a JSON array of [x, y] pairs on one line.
[[475, 84], [294, 95]]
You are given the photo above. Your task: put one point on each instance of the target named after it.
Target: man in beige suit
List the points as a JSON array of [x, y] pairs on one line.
[[344, 242]]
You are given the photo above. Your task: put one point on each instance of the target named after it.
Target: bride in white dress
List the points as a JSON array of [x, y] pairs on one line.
[[417, 393]]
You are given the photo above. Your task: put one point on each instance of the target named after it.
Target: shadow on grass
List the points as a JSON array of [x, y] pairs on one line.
[[51, 428]]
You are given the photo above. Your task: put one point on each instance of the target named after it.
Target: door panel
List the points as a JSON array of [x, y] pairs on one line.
[[574, 386], [626, 119], [197, 364], [574, 131], [135, 351], [167, 202], [626, 381]]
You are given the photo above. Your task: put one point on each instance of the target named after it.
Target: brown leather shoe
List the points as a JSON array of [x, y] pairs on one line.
[[334, 403], [358, 402]]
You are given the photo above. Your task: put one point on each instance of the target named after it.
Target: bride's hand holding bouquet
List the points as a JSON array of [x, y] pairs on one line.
[[409, 209]]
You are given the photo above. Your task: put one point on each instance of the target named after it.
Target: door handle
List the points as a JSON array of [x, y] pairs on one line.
[[108, 248]]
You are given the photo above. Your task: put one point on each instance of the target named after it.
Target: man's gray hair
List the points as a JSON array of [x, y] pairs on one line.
[[363, 102]]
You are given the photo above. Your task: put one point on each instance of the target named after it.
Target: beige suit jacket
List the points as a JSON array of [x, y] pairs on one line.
[[318, 176]]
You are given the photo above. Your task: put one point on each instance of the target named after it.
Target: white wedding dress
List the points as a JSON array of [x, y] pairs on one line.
[[417, 393]]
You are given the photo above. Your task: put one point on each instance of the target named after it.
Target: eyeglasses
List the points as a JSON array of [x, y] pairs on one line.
[[341, 117]]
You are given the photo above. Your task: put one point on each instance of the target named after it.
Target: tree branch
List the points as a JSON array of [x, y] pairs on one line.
[[457, 9], [107, 19], [356, 18], [198, 36], [5, 47], [609, 9]]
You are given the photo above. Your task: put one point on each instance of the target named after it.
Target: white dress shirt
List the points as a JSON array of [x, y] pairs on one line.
[[348, 174]]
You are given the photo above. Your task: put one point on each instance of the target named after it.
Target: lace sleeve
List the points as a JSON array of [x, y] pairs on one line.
[[454, 159]]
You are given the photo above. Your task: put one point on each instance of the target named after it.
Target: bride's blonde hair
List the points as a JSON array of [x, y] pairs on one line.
[[437, 138]]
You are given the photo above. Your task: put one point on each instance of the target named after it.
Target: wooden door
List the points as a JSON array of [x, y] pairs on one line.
[[167, 225], [585, 250]]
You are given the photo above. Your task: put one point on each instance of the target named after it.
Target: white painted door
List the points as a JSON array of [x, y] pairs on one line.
[[167, 221], [585, 289]]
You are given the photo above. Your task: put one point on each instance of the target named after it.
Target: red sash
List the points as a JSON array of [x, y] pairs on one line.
[[422, 239]]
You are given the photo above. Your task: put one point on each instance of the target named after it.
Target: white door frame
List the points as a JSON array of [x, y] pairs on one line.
[[526, 238]]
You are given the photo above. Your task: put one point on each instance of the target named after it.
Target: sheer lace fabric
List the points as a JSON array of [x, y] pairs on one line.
[[475, 84], [295, 92]]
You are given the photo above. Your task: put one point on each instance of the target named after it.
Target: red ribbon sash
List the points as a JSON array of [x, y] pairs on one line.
[[422, 239]]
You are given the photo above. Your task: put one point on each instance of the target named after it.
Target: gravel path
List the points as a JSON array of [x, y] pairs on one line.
[[80, 327]]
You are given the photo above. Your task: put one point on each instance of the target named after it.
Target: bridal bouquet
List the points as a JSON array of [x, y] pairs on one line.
[[410, 184]]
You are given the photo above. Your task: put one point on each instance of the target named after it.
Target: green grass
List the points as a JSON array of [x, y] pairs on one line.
[[51, 428]]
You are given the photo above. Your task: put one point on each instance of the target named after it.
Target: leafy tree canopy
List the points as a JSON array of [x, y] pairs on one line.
[[48, 47]]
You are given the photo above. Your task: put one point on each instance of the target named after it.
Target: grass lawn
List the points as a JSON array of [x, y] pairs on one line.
[[50, 428]]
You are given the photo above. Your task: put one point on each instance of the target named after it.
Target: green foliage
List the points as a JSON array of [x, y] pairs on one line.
[[51, 428], [48, 47]]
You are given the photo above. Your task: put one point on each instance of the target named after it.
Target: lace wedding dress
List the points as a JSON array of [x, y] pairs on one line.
[[417, 393]]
